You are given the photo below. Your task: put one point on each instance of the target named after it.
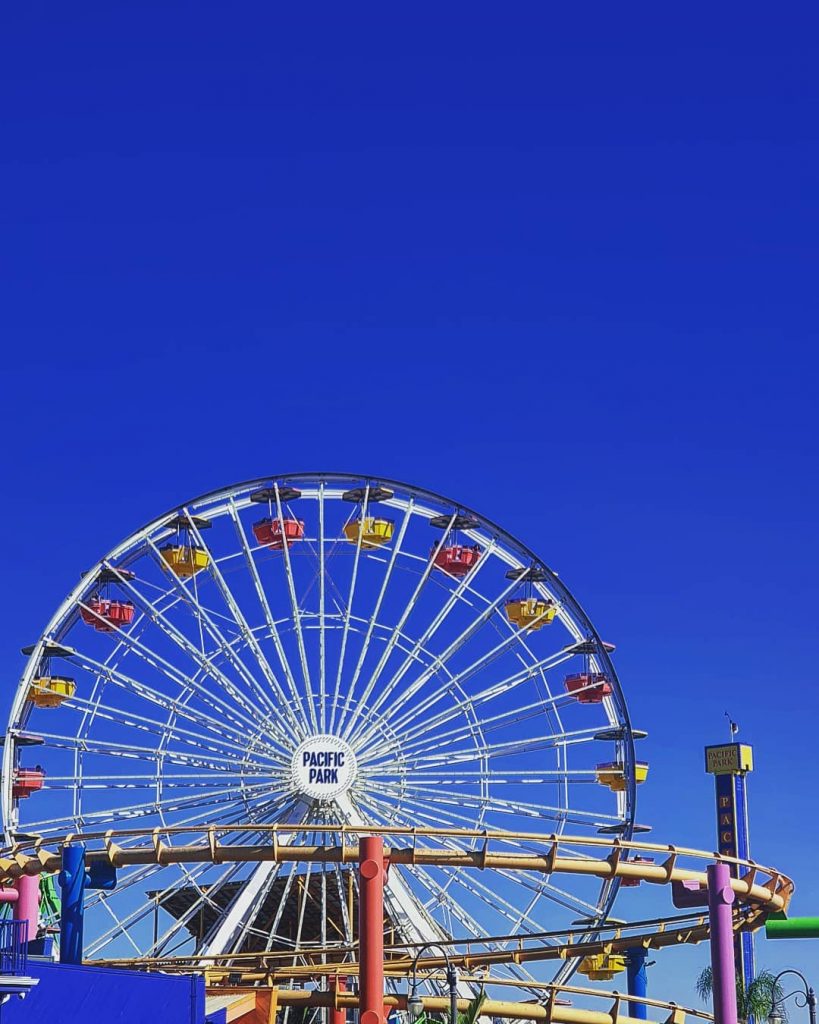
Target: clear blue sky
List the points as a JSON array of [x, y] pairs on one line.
[[559, 265]]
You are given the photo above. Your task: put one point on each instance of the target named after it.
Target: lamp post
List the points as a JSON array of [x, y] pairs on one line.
[[808, 998], [415, 1004]]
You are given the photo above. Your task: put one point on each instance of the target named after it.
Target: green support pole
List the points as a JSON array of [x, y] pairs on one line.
[[792, 928]]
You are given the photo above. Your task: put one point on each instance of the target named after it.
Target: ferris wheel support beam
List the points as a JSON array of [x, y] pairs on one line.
[[236, 918]]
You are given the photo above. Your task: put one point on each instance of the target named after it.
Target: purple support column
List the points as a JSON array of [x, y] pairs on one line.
[[720, 901]]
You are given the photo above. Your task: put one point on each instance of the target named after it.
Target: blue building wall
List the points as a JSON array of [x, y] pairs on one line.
[[74, 994]]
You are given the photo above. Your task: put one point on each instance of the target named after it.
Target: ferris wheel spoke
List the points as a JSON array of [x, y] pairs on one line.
[[548, 812], [490, 693], [345, 903], [397, 632], [153, 808], [176, 781], [492, 899], [112, 748], [344, 729], [296, 612], [244, 628], [141, 723], [206, 622], [295, 721], [322, 638], [439, 661], [187, 684], [415, 806], [425, 726], [511, 718], [348, 609], [227, 797], [206, 665], [288, 885], [416, 753], [455, 597], [424, 762]]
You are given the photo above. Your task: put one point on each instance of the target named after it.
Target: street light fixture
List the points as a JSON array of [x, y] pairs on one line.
[[415, 1004], [806, 998]]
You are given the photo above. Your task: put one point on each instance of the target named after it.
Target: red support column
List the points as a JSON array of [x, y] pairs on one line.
[[338, 1014], [371, 930]]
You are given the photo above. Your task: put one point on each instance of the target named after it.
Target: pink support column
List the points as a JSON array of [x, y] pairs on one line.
[[371, 930], [720, 901], [27, 907]]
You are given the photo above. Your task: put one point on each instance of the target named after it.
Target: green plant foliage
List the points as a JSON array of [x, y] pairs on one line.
[[754, 1001]]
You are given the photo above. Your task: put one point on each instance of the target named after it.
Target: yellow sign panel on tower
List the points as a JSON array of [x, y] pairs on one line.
[[729, 759]]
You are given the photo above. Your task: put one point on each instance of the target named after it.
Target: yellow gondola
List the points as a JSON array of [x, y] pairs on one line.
[[612, 775], [374, 532], [184, 559], [51, 691], [602, 966], [530, 612]]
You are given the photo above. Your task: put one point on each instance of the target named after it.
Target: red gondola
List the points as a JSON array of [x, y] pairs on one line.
[[26, 781], [268, 531], [105, 615], [588, 687], [457, 559]]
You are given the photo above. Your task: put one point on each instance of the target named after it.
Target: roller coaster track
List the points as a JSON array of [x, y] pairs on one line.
[[760, 891]]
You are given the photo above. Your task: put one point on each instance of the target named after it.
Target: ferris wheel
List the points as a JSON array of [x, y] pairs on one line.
[[320, 650]]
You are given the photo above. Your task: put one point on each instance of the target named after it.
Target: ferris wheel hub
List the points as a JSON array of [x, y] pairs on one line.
[[323, 767]]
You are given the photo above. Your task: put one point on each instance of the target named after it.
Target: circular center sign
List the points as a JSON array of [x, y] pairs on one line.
[[323, 767]]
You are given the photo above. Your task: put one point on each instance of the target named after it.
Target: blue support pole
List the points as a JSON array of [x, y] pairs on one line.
[[72, 881], [637, 981]]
